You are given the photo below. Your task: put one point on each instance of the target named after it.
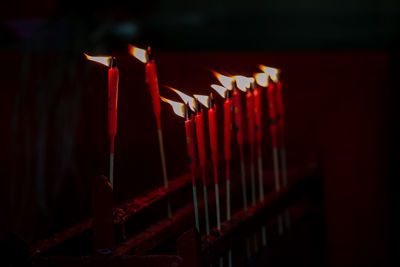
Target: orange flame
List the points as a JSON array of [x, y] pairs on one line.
[[138, 53], [219, 89], [243, 82], [226, 81], [178, 108], [203, 99], [261, 79], [105, 60], [272, 72], [185, 98]]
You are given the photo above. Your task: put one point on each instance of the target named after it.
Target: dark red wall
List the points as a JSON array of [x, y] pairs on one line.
[[55, 138]]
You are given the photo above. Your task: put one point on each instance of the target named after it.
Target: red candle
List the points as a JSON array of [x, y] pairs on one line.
[[213, 130], [250, 119], [237, 112], [225, 93], [113, 77], [151, 78], [228, 106], [270, 74], [251, 140], [258, 118], [273, 130], [183, 111], [191, 146], [201, 147], [237, 107], [228, 83], [281, 130], [272, 114], [193, 104], [258, 135], [201, 143], [271, 80], [280, 112], [152, 82], [243, 83], [207, 101]]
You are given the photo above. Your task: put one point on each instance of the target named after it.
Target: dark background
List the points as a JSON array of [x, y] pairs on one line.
[[340, 65]]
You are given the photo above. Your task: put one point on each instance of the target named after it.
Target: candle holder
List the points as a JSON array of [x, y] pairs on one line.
[[192, 249]]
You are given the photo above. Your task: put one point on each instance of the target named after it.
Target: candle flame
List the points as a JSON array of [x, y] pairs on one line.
[[185, 98], [261, 79], [226, 81], [272, 72], [219, 89], [105, 60], [138, 53], [178, 108], [243, 82], [203, 99]]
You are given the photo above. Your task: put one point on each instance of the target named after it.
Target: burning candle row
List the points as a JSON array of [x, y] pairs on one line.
[[191, 110], [230, 90]]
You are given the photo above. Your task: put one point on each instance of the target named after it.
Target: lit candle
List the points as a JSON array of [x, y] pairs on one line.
[[275, 77], [183, 111], [213, 133], [281, 129], [228, 82], [152, 82], [225, 93], [244, 84], [113, 77], [257, 95], [201, 147], [263, 80], [273, 130]]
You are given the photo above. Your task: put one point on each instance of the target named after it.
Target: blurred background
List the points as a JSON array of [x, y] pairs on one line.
[[340, 64]]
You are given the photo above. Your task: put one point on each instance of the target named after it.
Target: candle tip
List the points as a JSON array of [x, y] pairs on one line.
[[113, 62], [197, 108], [187, 111], [211, 101]]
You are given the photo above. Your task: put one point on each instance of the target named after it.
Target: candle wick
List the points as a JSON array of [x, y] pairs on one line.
[[113, 63]]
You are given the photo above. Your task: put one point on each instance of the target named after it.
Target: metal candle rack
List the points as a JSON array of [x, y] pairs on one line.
[[104, 240]]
